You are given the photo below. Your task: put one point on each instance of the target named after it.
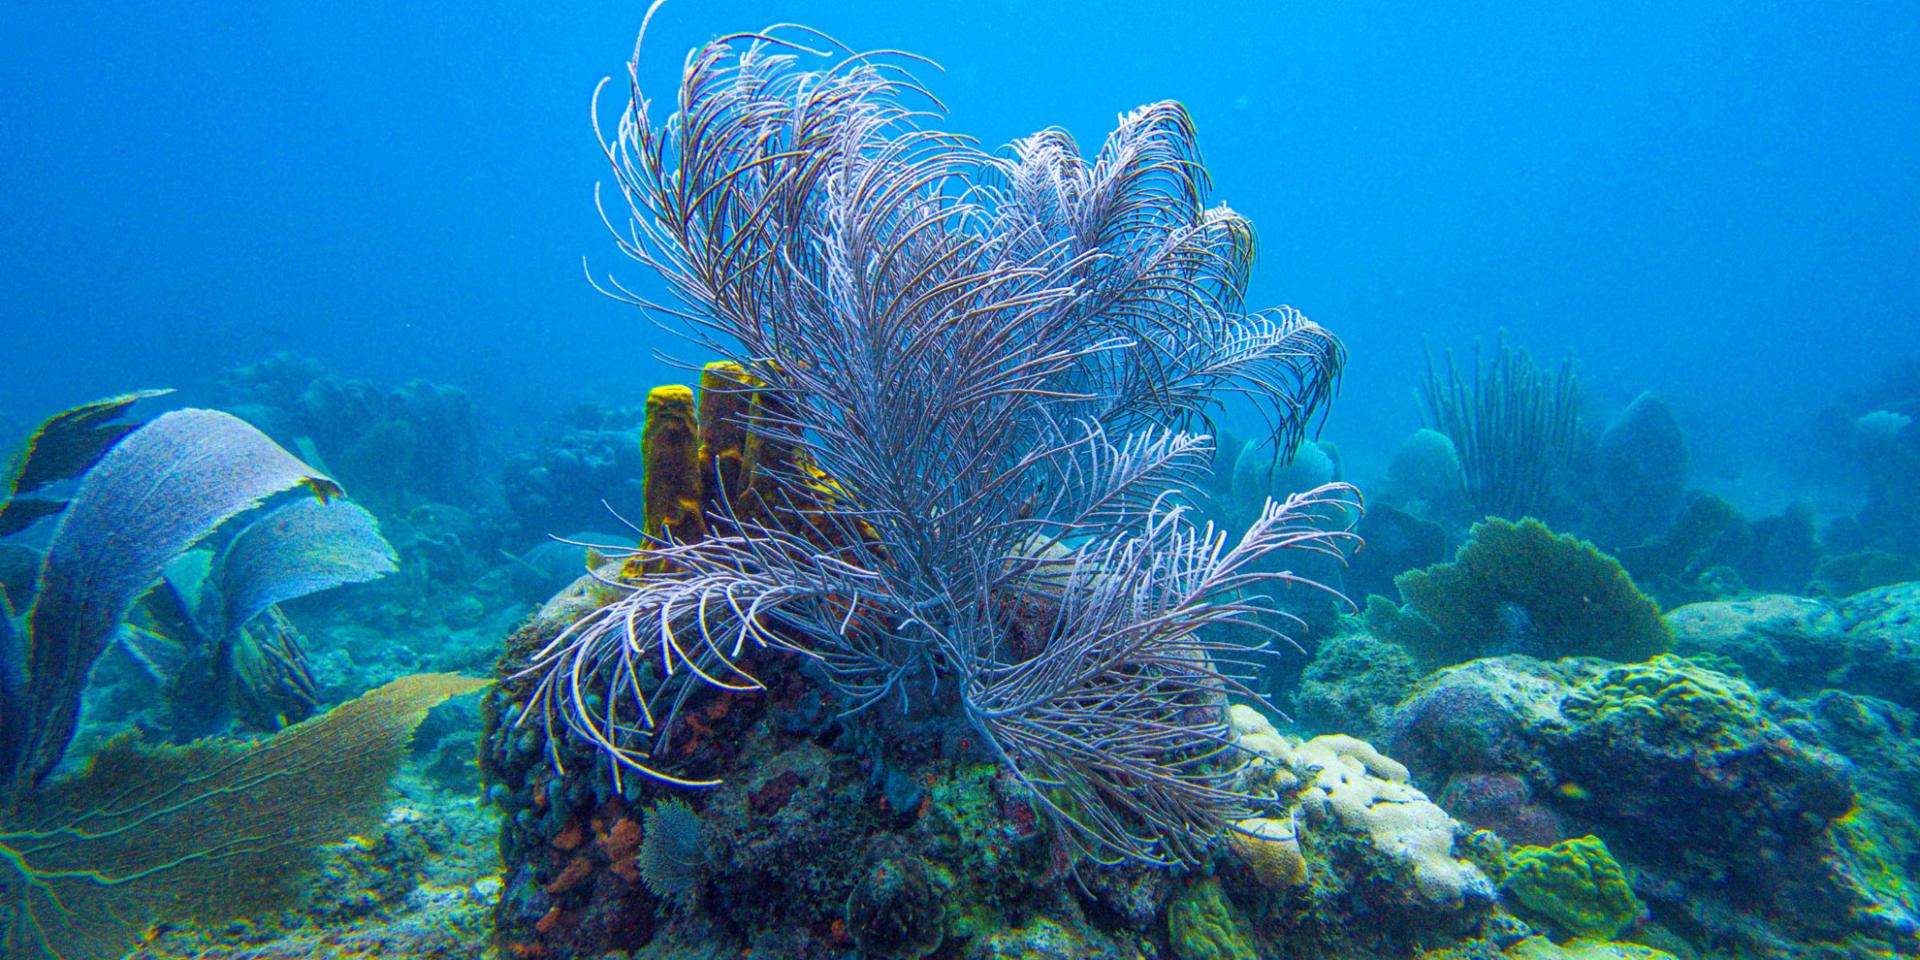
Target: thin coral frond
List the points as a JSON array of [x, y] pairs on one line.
[[998, 361]]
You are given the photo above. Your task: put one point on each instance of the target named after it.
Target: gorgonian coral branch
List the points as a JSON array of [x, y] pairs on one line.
[[1112, 720], [996, 361]]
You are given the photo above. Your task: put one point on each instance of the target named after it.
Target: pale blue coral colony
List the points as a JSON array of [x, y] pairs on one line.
[[953, 628]]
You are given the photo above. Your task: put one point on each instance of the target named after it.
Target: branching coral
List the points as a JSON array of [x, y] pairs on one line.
[[1513, 425], [976, 376]]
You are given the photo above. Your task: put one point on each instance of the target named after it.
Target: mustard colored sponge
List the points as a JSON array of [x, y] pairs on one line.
[[726, 398], [670, 447]]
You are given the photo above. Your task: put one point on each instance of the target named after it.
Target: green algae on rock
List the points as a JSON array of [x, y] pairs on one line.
[[1575, 888], [1354, 679], [897, 910], [1202, 925], [1695, 780], [1867, 643], [1872, 847], [1540, 948]]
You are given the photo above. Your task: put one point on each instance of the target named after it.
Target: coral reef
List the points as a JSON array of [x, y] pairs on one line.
[[205, 833], [412, 454], [421, 885], [1574, 888], [1639, 472], [394, 447], [1512, 423], [1519, 588], [1397, 541], [1504, 804], [1867, 643], [1712, 552], [1338, 781], [1203, 925], [896, 912], [145, 834], [1887, 446], [673, 852], [111, 543], [821, 837], [1723, 804], [1353, 679], [918, 652], [566, 482], [1425, 478], [1258, 476], [1696, 558], [985, 535]]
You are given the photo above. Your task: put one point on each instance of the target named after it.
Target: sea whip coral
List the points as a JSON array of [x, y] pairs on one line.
[[985, 368]]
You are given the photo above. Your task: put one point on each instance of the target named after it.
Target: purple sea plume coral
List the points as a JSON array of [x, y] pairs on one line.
[[990, 369]]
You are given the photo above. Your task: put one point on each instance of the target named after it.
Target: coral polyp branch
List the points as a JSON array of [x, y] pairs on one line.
[[979, 386]]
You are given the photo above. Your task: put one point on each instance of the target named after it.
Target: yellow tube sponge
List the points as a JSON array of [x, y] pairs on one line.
[[765, 457], [726, 397], [670, 448]]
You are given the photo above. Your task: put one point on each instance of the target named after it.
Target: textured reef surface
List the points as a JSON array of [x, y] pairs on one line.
[[951, 625]]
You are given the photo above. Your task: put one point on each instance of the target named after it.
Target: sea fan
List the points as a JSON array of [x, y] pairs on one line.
[[674, 851], [64, 446], [153, 495], [986, 370], [301, 548], [210, 832]]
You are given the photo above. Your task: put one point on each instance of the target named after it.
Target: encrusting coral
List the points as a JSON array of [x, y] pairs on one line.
[[1354, 679], [1736, 813], [1202, 925], [896, 911], [1574, 888]]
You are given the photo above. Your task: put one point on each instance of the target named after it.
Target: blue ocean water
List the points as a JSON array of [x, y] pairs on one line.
[[371, 230], [1718, 202]]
